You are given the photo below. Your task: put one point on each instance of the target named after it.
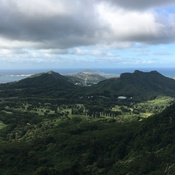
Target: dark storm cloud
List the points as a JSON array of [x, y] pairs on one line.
[[66, 24], [141, 4], [77, 27]]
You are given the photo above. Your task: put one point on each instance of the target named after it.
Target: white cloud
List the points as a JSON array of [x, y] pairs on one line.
[[44, 8], [136, 26], [53, 28], [67, 24]]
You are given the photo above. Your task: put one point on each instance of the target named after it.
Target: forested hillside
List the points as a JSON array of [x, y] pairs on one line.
[[81, 145], [138, 85], [49, 126]]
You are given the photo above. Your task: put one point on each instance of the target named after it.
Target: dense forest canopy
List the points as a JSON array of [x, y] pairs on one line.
[[50, 126]]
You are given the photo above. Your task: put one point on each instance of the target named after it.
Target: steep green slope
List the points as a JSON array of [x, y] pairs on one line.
[[45, 84], [45, 80], [81, 146]]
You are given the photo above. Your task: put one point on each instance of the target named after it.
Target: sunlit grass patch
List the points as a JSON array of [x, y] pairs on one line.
[[2, 125]]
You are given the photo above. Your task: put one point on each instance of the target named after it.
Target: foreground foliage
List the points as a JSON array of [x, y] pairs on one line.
[[49, 126], [37, 142]]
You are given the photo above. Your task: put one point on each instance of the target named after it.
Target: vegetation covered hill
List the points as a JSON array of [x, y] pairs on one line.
[[45, 80], [138, 85], [49, 126], [44, 84], [86, 78]]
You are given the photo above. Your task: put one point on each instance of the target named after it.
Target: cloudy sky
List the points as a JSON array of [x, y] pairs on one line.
[[87, 33]]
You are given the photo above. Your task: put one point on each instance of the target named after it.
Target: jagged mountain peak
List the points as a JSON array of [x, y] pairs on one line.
[[138, 73]]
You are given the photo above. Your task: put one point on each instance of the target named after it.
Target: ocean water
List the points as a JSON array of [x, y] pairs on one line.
[[11, 75]]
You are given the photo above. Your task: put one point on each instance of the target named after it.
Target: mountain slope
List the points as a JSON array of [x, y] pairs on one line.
[[80, 146], [45, 84], [45, 80], [137, 85], [86, 77]]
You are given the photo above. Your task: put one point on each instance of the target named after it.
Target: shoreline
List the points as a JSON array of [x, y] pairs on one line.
[[12, 76]]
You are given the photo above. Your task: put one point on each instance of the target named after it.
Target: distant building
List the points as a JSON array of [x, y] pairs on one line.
[[122, 97]]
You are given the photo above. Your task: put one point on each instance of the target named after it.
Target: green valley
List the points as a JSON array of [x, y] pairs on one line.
[[50, 126]]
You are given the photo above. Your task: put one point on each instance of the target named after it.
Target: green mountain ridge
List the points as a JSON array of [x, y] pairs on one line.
[[45, 80], [139, 84], [48, 135], [43, 84]]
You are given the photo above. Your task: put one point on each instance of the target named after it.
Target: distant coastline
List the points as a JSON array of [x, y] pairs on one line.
[[16, 75]]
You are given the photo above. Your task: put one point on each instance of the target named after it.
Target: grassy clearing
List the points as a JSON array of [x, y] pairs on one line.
[[2, 125], [146, 114], [159, 101], [154, 106], [144, 109]]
